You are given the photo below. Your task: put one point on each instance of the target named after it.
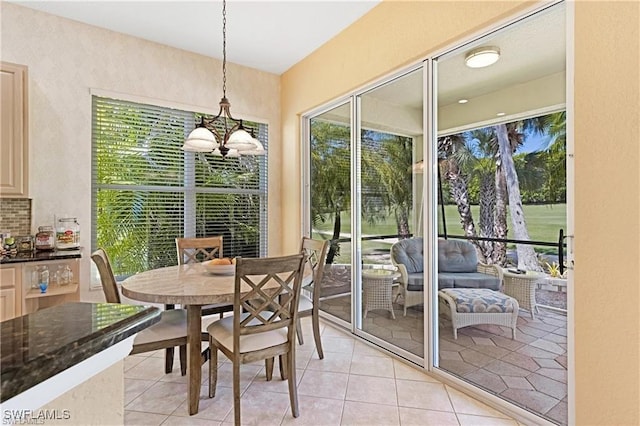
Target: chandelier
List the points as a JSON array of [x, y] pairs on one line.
[[235, 140]]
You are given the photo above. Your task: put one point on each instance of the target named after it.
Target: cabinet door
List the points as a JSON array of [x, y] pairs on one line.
[[7, 303], [13, 131]]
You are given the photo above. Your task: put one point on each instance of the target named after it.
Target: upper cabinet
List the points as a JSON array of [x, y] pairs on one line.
[[14, 153]]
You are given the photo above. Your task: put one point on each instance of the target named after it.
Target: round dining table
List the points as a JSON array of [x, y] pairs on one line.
[[191, 286]]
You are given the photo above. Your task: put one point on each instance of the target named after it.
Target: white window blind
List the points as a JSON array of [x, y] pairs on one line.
[[147, 191]]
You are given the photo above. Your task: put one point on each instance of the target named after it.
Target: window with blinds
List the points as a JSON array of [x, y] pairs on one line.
[[147, 191]]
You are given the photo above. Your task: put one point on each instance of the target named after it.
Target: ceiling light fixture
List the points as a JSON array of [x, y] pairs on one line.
[[463, 101], [236, 140], [501, 114], [482, 57]]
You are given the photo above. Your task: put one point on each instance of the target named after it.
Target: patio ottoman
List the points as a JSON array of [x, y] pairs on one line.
[[472, 306]]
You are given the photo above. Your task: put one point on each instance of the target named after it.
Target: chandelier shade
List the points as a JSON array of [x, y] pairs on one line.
[[223, 135]]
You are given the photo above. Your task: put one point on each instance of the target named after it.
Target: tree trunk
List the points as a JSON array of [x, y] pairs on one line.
[[487, 205], [334, 246], [402, 223], [527, 258], [500, 228]]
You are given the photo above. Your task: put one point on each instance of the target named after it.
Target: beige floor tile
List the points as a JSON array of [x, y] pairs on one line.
[[425, 395], [338, 344], [323, 384], [303, 356], [161, 398], [150, 368], [188, 421], [379, 390], [464, 404], [276, 384], [418, 417], [143, 419], [316, 412], [469, 420], [332, 361], [363, 349], [262, 408], [133, 388], [225, 374], [362, 413], [211, 409], [407, 372], [372, 366], [132, 361]]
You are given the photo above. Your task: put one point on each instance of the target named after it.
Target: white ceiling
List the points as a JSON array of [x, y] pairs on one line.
[[269, 35]]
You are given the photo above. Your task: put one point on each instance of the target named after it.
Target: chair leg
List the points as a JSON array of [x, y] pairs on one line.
[[168, 361], [213, 370], [183, 360], [282, 360], [299, 332], [293, 385], [315, 320], [268, 367], [236, 391]]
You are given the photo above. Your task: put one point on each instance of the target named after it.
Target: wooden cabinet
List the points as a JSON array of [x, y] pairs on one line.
[[10, 291], [14, 125]]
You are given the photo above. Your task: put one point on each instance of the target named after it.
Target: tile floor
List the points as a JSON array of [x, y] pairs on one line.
[[353, 384]]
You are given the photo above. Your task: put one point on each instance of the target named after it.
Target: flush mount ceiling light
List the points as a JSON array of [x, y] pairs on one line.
[[482, 56], [235, 140]]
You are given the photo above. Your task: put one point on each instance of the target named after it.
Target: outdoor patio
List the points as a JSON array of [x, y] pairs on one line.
[[530, 371]]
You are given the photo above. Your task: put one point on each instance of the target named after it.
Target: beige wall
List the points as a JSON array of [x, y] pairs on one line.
[[607, 244], [67, 59]]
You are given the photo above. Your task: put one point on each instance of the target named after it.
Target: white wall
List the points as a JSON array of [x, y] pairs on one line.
[[67, 59]]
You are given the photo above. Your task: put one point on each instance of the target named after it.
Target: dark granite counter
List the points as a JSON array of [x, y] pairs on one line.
[[37, 256], [37, 346]]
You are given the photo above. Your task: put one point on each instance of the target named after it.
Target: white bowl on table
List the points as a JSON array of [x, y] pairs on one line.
[[219, 269]]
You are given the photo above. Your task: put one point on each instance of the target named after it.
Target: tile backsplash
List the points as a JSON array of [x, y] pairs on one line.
[[15, 216]]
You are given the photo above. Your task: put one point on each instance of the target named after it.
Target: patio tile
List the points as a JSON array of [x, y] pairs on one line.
[[487, 380], [452, 355], [507, 343], [517, 382], [505, 369], [542, 326], [484, 341], [561, 331], [562, 360], [549, 346], [554, 321], [474, 332], [525, 338], [536, 352], [559, 413], [521, 360], [457, 367], [446, 345], [559, 374], [548, 363], [531, 399], [493, 351], [548, 386], [475, 358], [556, 338], [531, 331]]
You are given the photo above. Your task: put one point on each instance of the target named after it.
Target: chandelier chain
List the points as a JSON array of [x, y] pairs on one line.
[[224, 48]]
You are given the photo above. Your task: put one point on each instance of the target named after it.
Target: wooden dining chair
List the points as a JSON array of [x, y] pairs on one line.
[[169, 332], [316, 252], [264, 330], [195, 250]]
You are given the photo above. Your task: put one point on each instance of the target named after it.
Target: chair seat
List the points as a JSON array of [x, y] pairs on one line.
[[172, 325], [305, 304], [222, 332]]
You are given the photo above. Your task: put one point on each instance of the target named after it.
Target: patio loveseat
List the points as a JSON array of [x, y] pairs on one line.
[[458, 267]]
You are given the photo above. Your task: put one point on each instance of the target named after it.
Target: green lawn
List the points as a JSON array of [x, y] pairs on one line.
[[543, 223]]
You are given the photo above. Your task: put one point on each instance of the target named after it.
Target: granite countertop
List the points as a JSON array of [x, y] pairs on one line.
[[37, 346], [37, 256]]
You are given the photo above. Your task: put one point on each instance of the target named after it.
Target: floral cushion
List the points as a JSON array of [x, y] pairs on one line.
[[480, 300]]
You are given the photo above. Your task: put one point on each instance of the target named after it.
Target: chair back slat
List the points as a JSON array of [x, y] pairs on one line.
[[194, 250], [109, 285], [316, 252], [271, 301]]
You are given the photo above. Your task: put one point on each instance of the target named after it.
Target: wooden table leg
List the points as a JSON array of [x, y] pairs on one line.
[[194, 358]]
